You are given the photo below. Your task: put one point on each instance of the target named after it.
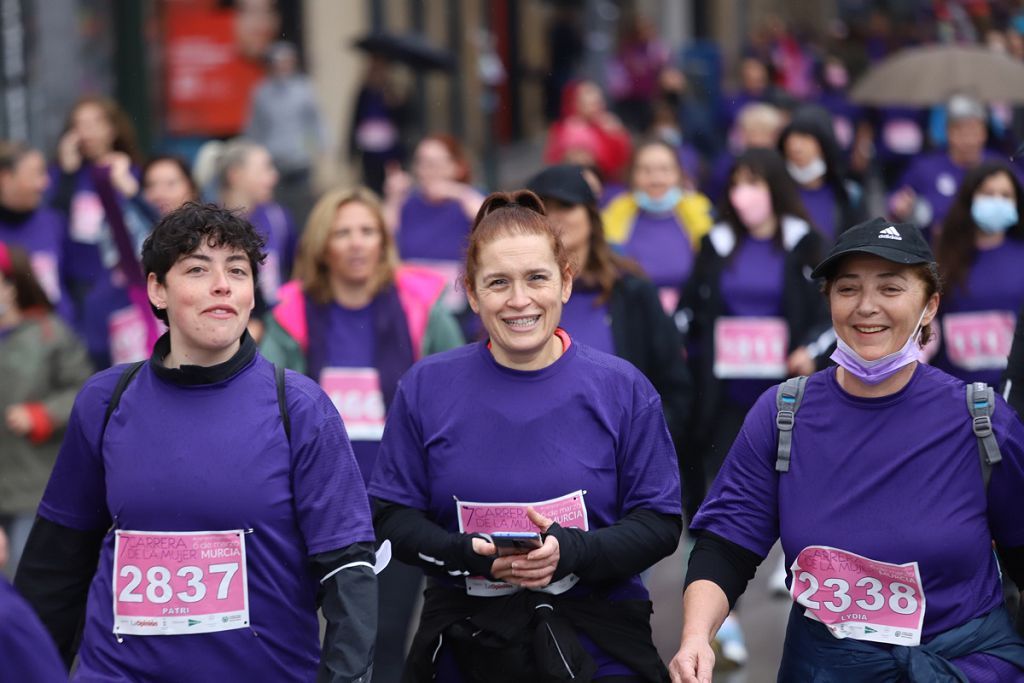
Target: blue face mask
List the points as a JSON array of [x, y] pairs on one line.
[[994, 214], [663, 204]]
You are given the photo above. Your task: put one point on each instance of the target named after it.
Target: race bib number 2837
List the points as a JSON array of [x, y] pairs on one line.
[[174, 583], [859, 598]]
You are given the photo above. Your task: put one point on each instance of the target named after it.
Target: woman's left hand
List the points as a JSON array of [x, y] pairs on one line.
[[534, 569]]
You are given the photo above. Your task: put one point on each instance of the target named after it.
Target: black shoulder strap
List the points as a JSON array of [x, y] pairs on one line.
[[787, 401], [282, 403], [115, 398], [981, 404]]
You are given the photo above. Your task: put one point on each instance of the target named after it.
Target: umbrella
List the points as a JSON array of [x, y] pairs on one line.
[[924, 76], [408, 49]]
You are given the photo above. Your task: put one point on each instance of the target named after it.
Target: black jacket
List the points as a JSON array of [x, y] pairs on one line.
[[701, 303], [645, 336]]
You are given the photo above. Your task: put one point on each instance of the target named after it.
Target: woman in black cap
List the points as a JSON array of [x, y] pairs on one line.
[[887, 481], [616, 309]]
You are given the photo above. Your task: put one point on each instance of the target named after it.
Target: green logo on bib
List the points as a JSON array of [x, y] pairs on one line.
[[193, 622]]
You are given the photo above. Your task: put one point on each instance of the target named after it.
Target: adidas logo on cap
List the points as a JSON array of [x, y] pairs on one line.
[[890, 233]]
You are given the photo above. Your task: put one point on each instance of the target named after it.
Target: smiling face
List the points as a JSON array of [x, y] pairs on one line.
[[876, 304], [354, 245], [208, 296], [518, 292], [656, 171]]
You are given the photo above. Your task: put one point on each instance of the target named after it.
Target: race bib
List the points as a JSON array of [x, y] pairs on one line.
[[174, 583], [902, 136], [128, 336], [669, 297], [376, 135], [356, 393], [978, 341], [843, 130], [270, 277], [858, 598], [569, 511], [750, 348], [86, 218], [454, 298], [44, 267]]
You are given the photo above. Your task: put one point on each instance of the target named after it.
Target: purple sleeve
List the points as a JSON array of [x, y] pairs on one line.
[[77, 491], [26, 649], [1007, 481], [742, 505], [330, 500], [401, 472], [648, 468]]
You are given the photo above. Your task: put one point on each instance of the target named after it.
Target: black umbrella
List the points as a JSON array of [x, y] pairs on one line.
[[409, 49]]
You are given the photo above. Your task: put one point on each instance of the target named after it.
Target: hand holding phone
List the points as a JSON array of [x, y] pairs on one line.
[[515, 542]]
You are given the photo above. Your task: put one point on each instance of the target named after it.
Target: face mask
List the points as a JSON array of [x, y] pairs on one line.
[[994, 214], [753, 204], [663, 204], [806, 174], [877, 371]]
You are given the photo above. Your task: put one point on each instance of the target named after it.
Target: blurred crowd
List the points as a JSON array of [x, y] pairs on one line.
[[696, 189]]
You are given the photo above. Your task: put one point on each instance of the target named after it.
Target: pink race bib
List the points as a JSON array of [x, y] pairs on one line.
[[569, 511], [978, 341], [356, 393], [902, 136], [173, 583], [86, 218], [749, 348], [855, 597]]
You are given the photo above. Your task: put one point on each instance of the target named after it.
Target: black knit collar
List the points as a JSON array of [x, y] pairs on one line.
[[194, 375], [12, 217]]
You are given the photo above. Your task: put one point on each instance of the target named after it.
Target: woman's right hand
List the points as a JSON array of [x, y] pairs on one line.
[[694, 661], [69, 154]]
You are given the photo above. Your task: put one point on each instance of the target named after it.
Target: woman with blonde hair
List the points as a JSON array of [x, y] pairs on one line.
[[355, 320]]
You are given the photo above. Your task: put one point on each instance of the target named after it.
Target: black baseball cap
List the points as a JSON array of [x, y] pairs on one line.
[[564, 183], [897, 242]]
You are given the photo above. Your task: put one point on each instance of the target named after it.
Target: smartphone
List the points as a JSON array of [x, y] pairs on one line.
[[516, 542]]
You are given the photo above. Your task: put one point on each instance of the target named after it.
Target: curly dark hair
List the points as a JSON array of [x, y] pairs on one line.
[[185, 229]]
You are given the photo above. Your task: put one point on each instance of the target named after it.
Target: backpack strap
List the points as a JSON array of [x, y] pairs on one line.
[[981, 404], [787, 401], [115, 398], [282, 403]]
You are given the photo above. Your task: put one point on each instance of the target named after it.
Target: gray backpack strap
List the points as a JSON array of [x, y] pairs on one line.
[[981, 404], [787, 401]]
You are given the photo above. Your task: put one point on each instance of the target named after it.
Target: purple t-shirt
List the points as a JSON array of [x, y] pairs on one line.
[[823, 210], [995, 282], [211, 457], [274, 223], [41, 234], [588, 321], [752, 287], [26, 651], [463, 427], [662, 247], [350, 344], [432, 231], [895, 479]]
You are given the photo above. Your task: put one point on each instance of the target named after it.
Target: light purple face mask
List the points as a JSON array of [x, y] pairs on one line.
[[877, 371]]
